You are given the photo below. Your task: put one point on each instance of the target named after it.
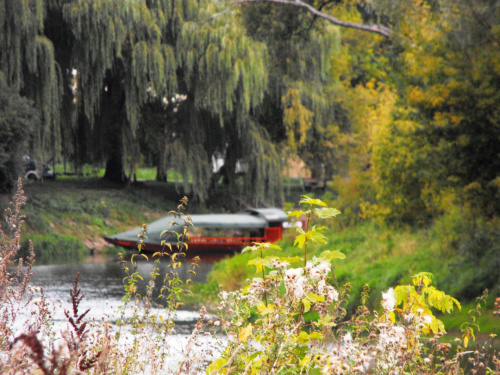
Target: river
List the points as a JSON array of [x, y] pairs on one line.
[[101, 284]]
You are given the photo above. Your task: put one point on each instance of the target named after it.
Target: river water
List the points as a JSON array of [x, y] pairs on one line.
[[101, 283]]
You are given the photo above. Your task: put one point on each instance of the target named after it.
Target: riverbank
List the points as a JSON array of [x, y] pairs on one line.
[[67, 219]]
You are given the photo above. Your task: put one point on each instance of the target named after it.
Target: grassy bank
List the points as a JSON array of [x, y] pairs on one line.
[[382, 257], [68, 217]]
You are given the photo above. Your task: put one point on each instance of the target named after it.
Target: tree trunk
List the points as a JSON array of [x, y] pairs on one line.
[[113, 119], [114, 167], [161, 168]]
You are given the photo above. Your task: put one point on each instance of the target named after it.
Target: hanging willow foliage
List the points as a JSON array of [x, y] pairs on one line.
[[226, 74], [128, 31], [28, 62], [308, 99], [224, 68], [262, 180]]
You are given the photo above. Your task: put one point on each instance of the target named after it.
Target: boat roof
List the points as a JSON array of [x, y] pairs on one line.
[[250, 219], [241, 220], [270, 214]]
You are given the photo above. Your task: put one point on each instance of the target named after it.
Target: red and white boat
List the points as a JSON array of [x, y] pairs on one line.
[[211, 232]]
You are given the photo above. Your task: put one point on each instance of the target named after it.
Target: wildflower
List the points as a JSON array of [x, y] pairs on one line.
[[280, 264], [324, 267], [427, 319], [348, 338], [408, 317], [294, 272], [321, 286], [388, 300], [315, 274], [332, 294], [298, 290]]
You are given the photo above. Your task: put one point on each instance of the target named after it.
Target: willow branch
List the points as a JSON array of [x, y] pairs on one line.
[[372, 28]]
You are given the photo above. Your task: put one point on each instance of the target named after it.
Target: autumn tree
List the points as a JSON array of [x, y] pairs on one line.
[[443, 138]]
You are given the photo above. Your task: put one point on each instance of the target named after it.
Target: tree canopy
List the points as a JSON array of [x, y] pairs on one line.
[[396, 101]]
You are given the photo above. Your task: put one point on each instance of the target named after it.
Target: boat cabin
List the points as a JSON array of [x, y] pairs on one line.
[[211, 232]]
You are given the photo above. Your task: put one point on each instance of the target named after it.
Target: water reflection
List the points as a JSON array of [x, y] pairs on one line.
[[101, 284]]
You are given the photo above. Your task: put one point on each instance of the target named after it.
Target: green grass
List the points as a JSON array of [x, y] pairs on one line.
[[74, 214], [380, 257], [88, 171]]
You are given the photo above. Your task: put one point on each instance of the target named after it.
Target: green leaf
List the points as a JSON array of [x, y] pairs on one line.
[[325, 321], [326, 213], [329, 255], [248, 248], [311, 201], [299, 241], [315, 336], [424, 278], [261, 246], [303, 336], [315, 297], [262, 263], [264, 310], [315, 235]]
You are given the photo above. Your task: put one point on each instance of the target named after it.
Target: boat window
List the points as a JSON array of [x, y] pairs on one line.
[[225, 232]]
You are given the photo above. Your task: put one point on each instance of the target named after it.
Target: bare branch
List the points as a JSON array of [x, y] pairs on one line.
[[373, 28], [219, 14]]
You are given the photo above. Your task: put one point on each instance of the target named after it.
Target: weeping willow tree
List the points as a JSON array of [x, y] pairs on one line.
[[121, 58], [225, 74], [300, 97], [29, 66], [127, 55]]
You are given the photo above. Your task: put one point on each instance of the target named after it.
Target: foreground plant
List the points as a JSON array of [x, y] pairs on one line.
[[291, 319]]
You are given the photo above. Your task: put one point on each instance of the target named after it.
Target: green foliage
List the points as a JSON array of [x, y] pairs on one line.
[[440, 138], [55, 248], [269, 333], [17, 121], [420, 297]]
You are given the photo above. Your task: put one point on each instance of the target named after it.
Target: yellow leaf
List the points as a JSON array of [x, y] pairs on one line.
[[307, 304], [216, 365], [305, 361], [245, 333], [264, 310]]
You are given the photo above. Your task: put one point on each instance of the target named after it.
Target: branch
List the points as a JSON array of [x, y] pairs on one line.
[[218, 14], [373, 28]]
